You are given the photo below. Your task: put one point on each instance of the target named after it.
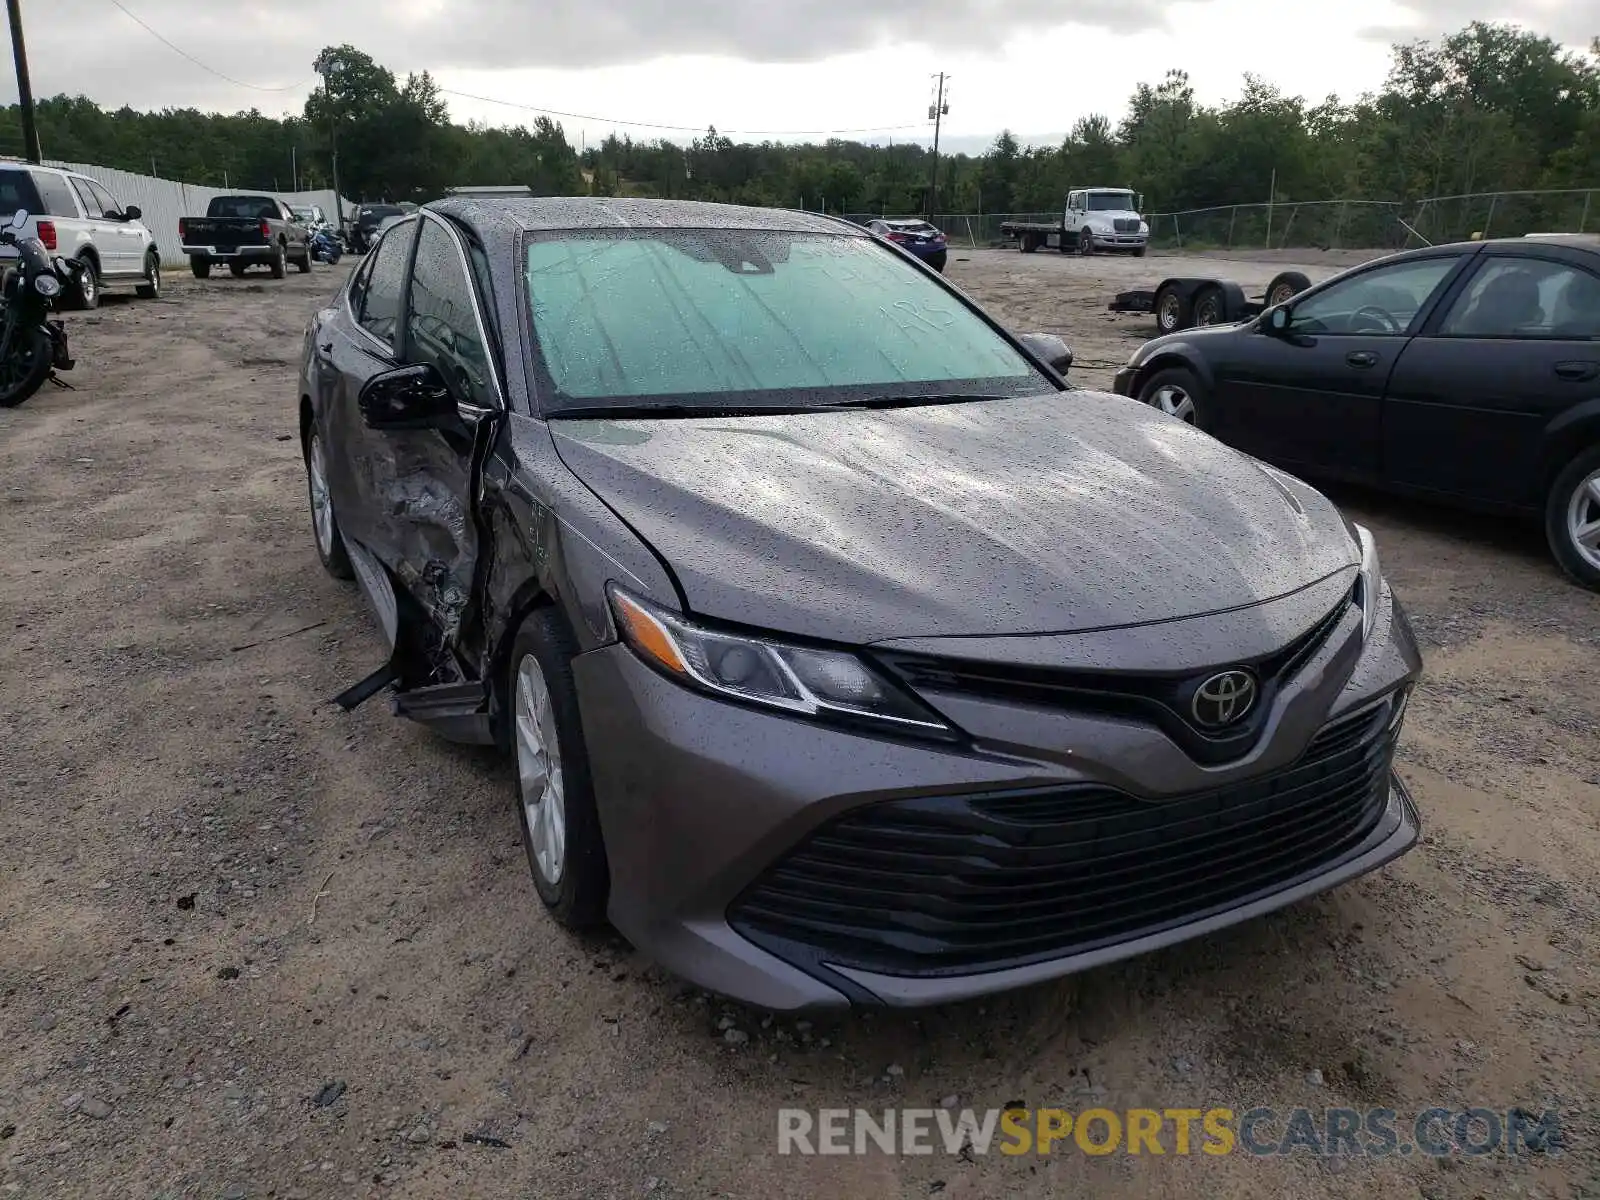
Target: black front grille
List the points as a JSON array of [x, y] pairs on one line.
[[1125, 225], [946, 885], [1163, 700]]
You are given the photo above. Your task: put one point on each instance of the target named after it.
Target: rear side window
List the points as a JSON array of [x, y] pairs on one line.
[[55, 197], [1527, 298], [16, 191]]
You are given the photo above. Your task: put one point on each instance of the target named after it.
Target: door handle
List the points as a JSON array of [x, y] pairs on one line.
[[1577, 372], [1361, 358]]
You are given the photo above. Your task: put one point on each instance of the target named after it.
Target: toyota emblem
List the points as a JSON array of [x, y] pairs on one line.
[[1223, 699]]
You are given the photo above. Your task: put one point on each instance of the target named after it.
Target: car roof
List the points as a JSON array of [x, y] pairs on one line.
[[541, 214]]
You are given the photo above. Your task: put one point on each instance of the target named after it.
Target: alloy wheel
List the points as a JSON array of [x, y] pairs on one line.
[[1174, 401], [540, 781], [1168, 312], [1583, 519], [321, 501]]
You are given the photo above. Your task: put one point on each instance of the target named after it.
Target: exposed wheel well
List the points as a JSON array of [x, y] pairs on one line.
[[1160, 363], [87, 254], [1565, 446], [530, 596]]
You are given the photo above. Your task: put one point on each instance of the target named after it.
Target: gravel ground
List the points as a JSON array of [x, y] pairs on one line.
[[256, 947]]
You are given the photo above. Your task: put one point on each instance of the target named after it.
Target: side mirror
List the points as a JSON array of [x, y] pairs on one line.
[[132, 213], [1278, 319], [1050, 348], [415, 397]]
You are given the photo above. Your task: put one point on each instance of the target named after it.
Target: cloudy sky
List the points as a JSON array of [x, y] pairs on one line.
[[749, 66]]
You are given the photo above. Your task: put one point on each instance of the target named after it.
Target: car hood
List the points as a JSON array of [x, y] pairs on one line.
[[1204, 337], [1045, 514]]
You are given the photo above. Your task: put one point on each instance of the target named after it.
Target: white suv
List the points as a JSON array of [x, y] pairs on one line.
[[76, 217]]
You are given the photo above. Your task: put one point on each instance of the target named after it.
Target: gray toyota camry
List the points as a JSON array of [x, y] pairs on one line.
[[847, 655]]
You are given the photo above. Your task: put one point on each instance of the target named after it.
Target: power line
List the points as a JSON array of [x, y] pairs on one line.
[[556, 112], [254, 87]]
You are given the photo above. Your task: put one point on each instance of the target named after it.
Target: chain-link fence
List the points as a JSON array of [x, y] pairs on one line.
[[1326, 224]]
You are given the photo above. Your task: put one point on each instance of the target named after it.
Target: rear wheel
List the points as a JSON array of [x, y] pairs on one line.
[[150, 289], [1176, 392], [201, 267], [88, 290], [280, 262], [1209, 307], [25, 366], [324, 524], [304, 264], [1572, 518], [1027, 244], [555, 796], [1285, 286], [1172, 310]]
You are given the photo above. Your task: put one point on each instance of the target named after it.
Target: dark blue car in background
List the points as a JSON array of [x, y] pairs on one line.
[[913, 235]]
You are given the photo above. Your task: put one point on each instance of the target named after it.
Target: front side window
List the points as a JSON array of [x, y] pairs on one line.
[[1383, 301], [442, 325], [753, 317], [91, 205], [107, 202], [380, 302], [1526, 298]]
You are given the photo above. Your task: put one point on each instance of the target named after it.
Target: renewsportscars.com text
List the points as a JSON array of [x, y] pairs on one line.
[[1376, 1132]]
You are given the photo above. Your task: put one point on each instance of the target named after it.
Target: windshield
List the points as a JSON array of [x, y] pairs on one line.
[[1110, 201], [719, 318], [247, 208]]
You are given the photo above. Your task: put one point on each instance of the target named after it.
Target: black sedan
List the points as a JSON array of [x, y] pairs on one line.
[[1469, 373]]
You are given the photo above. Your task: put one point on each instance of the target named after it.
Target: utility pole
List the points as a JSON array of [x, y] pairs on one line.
[[325, 67], [937, 111], [19, 51]]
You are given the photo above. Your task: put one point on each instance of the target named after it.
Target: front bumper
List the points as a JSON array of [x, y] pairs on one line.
[[702, 803]]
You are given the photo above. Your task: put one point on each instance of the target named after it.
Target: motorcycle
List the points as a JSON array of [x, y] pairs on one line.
[[325, 247], [32, 346]]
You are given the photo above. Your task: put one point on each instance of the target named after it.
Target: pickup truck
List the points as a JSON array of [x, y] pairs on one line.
[[245, 231], [1095, 218]]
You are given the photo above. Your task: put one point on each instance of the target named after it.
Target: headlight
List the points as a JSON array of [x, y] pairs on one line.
[[757, 670], [1143, 228], [47, 285], [1370, 585]]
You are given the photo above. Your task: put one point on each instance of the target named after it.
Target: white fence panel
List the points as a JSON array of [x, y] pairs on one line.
[[163, 201]]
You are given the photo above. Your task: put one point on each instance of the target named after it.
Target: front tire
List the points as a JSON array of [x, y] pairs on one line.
[[1086, 242], [1572, 518], [324, 522], [150, 289], [24, 370], [1178, 393], [554, 792]]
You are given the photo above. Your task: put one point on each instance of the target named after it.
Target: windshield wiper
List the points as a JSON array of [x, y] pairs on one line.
[[622, 412], [914, 401]]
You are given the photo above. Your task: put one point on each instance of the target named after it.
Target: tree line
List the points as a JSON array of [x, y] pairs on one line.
[[1489, 108]]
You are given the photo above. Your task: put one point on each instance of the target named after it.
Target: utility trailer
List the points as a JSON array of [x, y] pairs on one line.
[[1185, 302]]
